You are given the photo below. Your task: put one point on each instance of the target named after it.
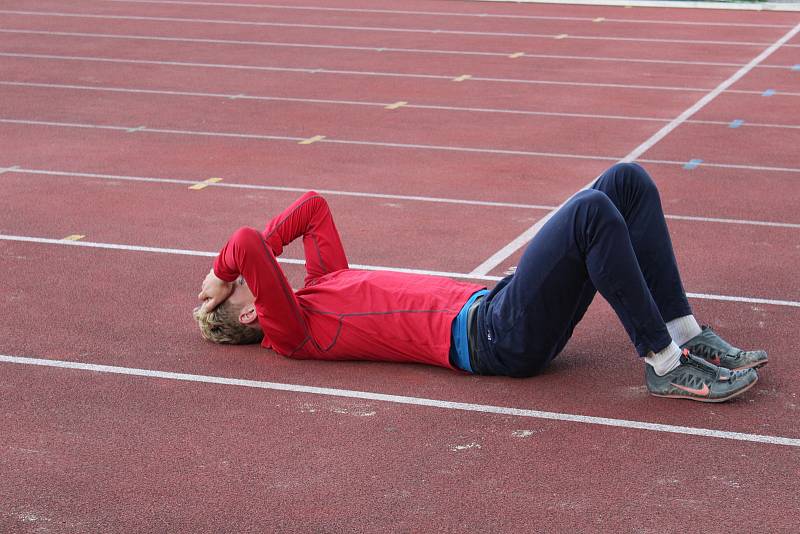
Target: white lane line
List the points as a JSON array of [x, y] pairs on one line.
[[373, 73], [402, 399], [750, 300], [292, 261], [375, 28], [240, 96], [328, 140], [731, 221], [149, 130], [724, 165], [778, 5], [748, 92], [381, 144], [501, 255], [200, 253], [12, 168], [269, 98], [382, 49], [337, 192], [452, 14], [317, 71], [745, 125], [363, 194]]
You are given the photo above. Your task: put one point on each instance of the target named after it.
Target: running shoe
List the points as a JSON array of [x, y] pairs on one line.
[[696, 379], [712, 348]]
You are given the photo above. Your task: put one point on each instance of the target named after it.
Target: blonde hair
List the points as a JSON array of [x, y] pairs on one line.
[[221, 325]]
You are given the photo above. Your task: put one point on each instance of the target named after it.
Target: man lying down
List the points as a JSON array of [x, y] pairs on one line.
[[611, 238]]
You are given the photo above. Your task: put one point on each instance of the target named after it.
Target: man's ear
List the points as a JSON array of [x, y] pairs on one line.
[[248, 315]]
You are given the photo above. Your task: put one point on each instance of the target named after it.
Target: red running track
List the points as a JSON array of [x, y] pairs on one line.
[[93, 452]]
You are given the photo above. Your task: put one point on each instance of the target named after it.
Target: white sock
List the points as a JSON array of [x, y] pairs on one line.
[[665, 360], [683, 329]]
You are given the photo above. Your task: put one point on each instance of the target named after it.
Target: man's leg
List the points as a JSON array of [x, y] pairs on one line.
[[636, 197], [584, 247]]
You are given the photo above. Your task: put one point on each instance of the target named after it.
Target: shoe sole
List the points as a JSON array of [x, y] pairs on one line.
[[706, 399], [755, 365]]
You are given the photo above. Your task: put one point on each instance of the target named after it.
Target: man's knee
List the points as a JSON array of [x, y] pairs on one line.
[[596, 204], [594, 212], [634, 176]]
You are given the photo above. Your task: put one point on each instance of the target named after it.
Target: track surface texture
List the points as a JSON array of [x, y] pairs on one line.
[[447, 131]]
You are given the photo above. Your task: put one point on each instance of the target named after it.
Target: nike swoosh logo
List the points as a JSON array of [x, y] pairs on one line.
[[702, 392]]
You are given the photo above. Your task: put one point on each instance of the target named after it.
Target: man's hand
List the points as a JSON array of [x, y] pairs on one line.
[[214, 292]]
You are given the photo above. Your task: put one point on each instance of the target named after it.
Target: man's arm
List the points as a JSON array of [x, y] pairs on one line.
[[279, 313], [309, 216]]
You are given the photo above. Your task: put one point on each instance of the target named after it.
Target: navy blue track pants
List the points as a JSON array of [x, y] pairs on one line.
[[611, 238]]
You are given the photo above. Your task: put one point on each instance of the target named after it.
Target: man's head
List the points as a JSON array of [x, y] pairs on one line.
[[234, 321]]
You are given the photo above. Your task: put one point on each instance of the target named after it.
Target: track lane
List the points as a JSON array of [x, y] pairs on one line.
[[726, 193], [404, 61], [383, 232], [373, 169], [542, 41], [160, 290], [522, 11], [395, 230], [785, 79], [704, 191], [355, 21], [720, 144], [398, 64], [753, 108], [189, 457], [587, 26], [302, 120], [340, 87]]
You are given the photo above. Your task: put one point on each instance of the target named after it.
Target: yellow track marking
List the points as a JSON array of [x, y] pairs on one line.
[[311, 140], [204, 184]]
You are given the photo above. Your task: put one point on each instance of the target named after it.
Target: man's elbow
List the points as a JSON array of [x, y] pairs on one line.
[[246, 235]]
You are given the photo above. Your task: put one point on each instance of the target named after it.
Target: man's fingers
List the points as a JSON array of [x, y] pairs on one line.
[[213, 292], [211, 304]]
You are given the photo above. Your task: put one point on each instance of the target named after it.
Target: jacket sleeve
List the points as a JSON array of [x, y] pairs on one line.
[[279, 313], [309, 216]]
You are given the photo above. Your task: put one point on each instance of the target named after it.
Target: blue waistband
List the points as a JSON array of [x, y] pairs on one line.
[[460, 333]]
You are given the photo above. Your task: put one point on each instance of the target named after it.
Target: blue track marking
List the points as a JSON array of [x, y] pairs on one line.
[[692, 164], [736, 123], [768, 92]]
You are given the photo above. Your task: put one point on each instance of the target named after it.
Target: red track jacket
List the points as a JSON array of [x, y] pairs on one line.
[[341, 313]]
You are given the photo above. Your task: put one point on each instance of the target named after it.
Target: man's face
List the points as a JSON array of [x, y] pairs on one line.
[[241, 296]]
